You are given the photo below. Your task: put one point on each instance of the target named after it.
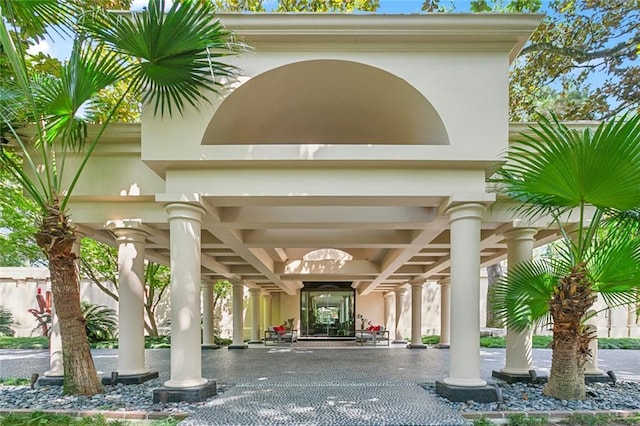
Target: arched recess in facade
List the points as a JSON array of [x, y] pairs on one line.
[[326, 102]]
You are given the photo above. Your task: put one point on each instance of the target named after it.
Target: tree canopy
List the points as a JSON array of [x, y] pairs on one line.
[[580, 64]]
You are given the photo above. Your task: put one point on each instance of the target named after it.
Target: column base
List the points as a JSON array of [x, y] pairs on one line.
[[209, 346], [255, 342], [518, 377], [193, 394], [129, 379], [50, 381], [597, 378], [242, 346], [442, 346], [482, 394], [399, 342], [416, 346]]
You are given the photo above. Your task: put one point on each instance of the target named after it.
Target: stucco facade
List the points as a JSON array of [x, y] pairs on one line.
[[366, 135]]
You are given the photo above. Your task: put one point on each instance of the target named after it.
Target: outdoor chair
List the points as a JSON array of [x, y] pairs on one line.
[[280, 335], [373, 335]]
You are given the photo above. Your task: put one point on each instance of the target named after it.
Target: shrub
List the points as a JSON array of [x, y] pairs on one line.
[[6, 321], [430, 340], [102, 322]]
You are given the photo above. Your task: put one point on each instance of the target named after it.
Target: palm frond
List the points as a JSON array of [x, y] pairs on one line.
[[35, 18], [614, 264], [176, 53], [101, 321], [553, 168], [521, 298], [67, 100]]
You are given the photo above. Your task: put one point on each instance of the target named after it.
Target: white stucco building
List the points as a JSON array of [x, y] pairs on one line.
[[347, 164]]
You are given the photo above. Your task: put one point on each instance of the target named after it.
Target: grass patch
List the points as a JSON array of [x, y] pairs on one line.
[[524, 420], [623, 343], [589, 420], [40, 342], [544, 342], [50, 419], [149, 343], [12, 381]]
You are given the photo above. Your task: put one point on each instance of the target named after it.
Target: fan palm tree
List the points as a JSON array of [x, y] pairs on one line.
[[170, 58], [594, 177]]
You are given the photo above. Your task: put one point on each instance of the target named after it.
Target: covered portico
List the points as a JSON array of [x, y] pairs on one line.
[[370, 134]]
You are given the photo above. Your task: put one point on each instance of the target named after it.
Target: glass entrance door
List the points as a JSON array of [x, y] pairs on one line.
[[327, 311]]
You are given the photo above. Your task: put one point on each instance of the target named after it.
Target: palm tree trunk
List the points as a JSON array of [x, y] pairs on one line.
[[571, 300], [56, 238]]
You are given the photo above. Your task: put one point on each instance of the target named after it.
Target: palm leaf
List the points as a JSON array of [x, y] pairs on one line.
[[176, 54], [67, 100], [521, 298], [614, 264], [35, 17], [101, 321], [554, 168]]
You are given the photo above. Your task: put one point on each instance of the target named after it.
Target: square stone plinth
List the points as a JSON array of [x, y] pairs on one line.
[[518, 378], [482, 394], [192, 394], [133, 379], [50, 381]]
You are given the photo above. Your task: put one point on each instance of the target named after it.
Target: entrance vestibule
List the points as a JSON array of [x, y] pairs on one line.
[[327, 310]]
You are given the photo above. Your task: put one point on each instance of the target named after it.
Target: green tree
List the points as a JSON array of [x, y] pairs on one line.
[[595, 176], [298, 5], [168, 59], [17, 225], [588, 48]]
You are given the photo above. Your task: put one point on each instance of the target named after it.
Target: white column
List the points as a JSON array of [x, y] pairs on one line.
[[186, 359], [416, 316], [388, 310], [518, 344], [56, 367], [238, 320], [255, 315], [632, 321], [267, 310], [131, 245], [400, 292], [208, 336], [445, 313], [591, 365], [464, 356]]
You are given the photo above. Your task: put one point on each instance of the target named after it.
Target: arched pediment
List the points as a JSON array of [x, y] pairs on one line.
[[326, 102]]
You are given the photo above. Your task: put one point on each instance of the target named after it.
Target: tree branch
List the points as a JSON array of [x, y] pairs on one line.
[[581, 56]]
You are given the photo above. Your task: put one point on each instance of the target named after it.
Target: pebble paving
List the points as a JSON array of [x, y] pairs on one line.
[[319, 386], [369, 404]]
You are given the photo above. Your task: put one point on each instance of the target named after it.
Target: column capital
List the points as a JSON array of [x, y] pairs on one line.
[[237, 284], [418, 284], [267, 295], [400, 291], [255, 291], [515, 234], [445, 283], [466, 211], [184, 211], [127, 229], [388, 295]]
